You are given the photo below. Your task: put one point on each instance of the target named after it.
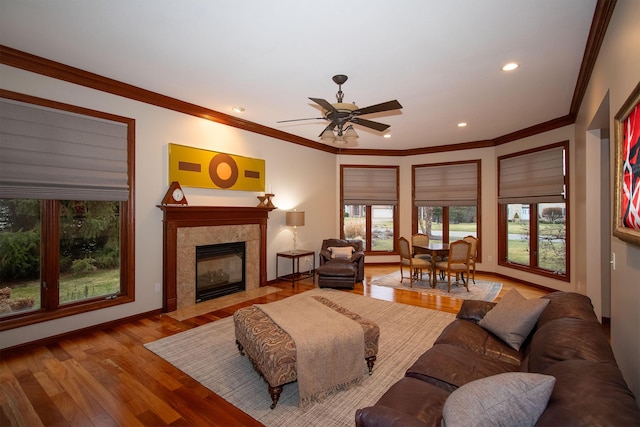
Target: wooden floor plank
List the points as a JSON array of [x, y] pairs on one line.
[[113, 405], [16, 405]]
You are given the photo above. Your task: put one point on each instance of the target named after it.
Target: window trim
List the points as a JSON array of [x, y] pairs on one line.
[[127, 227], [396, 210], [503, 222]]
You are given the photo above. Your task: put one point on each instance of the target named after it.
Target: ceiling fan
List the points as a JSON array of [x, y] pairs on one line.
[[341, 114]]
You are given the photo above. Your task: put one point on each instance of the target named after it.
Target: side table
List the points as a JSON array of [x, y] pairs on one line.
[[295, 274]]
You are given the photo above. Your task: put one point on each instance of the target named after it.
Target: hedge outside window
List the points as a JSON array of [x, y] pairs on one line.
[[369, 197], [533, 211], [66, 230]]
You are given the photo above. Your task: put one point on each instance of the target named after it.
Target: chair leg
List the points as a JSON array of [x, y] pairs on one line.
[[449, 281]]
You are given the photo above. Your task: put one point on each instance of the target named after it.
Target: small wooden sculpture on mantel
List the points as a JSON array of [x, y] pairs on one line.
[[265, 201]]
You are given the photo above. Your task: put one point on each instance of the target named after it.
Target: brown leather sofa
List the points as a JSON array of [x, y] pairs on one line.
[[334, 271], [567, 343]]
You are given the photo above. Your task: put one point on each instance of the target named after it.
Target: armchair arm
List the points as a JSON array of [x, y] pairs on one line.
[[357, 256], [325, 256], [358, 259]]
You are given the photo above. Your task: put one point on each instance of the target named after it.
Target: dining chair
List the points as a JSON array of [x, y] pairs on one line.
[[473, 255], [416, 265], [457, 262], [420, 240]]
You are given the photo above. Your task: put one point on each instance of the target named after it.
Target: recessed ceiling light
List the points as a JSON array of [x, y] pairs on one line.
[[387, 135], [238, 109], [462, 124], [510, 66]]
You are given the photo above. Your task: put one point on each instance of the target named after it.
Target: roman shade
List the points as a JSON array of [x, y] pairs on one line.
[[370, 186], [536, 177], [446, 185], [53, 154]]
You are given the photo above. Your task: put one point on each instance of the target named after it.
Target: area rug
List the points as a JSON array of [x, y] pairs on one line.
[[481, 290], [209, 355]]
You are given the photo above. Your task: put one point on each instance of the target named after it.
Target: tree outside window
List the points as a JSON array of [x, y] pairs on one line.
[[87, 261]]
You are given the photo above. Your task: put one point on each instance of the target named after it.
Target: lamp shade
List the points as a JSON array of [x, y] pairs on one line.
[[350, 134], [327, 136], [295, 219]]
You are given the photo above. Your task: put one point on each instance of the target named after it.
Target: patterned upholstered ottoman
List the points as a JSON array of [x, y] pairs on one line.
[[273, 352]]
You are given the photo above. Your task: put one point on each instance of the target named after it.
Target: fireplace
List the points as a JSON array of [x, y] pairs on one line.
[[187, 227], [219, 270]]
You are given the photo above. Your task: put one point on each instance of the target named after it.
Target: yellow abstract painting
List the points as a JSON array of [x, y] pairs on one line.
[[196, 167]]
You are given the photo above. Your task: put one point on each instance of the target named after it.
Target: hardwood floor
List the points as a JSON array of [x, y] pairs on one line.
[[107, 377]]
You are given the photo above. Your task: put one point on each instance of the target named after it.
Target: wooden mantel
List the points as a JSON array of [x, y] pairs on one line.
[[204, 216]]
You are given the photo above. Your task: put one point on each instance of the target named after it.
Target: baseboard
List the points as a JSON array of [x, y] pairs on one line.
[[4, 352]]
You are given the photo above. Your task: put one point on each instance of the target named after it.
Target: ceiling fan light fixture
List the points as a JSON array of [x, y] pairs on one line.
[[327, 136], [341, 140], [350, 134]]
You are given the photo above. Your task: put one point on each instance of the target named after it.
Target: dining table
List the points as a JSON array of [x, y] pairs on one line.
[[436, 250]]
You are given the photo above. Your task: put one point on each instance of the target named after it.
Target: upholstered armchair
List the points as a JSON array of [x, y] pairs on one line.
[[341, 255]]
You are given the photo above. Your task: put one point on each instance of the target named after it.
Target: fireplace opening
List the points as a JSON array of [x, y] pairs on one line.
[[219, 270]]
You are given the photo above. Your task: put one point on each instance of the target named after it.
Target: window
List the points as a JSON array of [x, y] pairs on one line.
[[533, 219], [369, 198], [66, 230], [446, 200]]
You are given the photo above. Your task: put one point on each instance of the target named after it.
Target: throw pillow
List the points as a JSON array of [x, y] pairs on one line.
[[341, 252], [513, 317], [509, 399]]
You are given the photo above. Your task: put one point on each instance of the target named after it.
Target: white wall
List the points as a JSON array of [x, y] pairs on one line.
[[300, 178], [616, 73]]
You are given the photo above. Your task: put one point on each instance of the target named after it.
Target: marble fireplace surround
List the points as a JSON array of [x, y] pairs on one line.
[[185, 227]]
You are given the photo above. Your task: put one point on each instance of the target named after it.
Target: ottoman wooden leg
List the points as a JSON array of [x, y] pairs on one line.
[[275, 394], [370, 361], [240, 348]]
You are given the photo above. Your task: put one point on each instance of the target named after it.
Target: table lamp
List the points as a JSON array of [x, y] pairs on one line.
[[295, 219]]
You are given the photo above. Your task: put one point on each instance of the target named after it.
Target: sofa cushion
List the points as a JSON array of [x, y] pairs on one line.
[[565, 339], [511, 399], [513, 317], [467, 334], [343, 252], [452, 366], [589, 393]]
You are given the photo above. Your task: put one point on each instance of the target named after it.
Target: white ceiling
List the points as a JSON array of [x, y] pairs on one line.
[[440, 59]]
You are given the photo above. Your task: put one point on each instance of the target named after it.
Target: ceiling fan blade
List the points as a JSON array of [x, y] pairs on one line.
[[385, 106], [369, 124], [299, 120], [324, 104]]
